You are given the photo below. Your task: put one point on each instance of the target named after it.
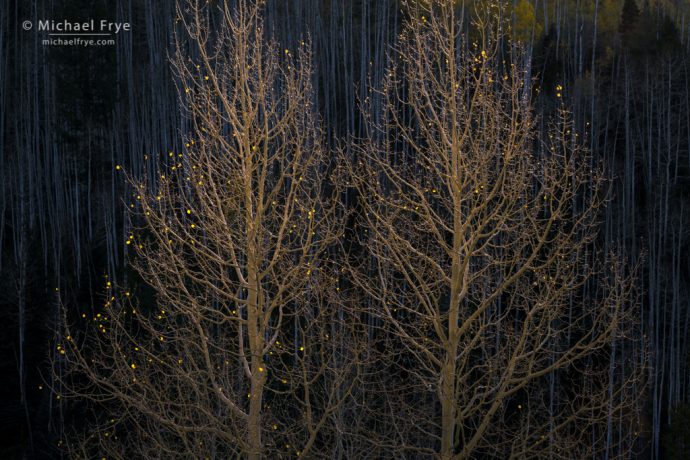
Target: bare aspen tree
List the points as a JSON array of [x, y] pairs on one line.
[[484, 282], [239, 352]]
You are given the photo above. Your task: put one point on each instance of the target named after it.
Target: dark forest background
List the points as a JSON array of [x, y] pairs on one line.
[[69, 115]]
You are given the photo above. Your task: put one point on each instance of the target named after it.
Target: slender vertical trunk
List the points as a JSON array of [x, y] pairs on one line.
[[447, 388], [254, 421], [258, 373], [448, 406], [447, 385], [22, 329]]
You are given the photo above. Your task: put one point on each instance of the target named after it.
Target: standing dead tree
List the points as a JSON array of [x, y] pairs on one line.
[[239, 352], [488, 297]]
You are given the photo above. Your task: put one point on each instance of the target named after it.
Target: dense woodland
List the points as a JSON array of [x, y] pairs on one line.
[[85, 134]]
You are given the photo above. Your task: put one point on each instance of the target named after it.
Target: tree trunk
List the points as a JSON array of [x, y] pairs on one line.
[[254, 310], [448, 407]]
